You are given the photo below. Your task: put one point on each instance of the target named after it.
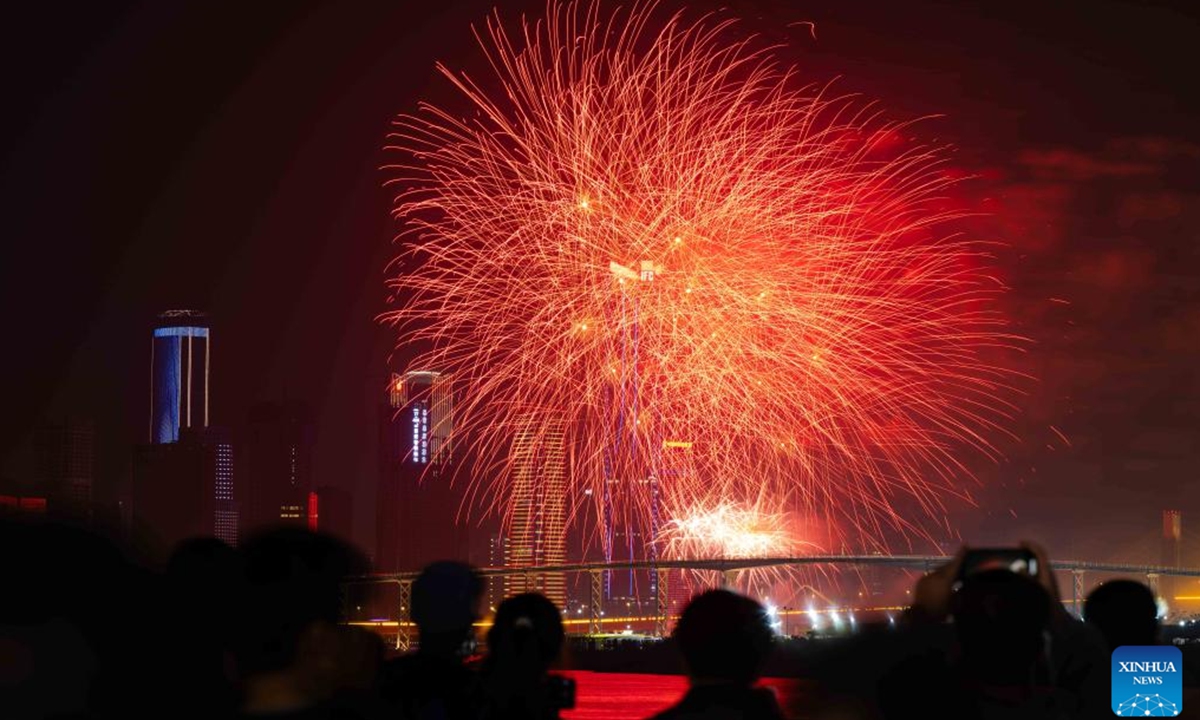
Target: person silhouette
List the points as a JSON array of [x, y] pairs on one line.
[[293, 655], [525, 641], [725, 639], [1125, 613], [434, 683]]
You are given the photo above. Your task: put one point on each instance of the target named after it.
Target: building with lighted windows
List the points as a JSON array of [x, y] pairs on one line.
[[180, 354], [278, 466], [187, 489], [497, 557], [538, 508], [418, 501], [331, 510]]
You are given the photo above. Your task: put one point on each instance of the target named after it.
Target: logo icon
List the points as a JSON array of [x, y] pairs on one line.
[[1147, 681]]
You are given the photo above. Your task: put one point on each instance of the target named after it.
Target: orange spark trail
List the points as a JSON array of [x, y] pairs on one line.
[[726, 284]]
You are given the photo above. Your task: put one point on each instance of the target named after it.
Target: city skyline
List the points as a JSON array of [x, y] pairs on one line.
[[1086, 191], [600, 359]]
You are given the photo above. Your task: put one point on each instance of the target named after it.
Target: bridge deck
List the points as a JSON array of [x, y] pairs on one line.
[[915, 562]]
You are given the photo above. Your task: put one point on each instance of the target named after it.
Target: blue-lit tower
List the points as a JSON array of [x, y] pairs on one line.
[[179, 362]]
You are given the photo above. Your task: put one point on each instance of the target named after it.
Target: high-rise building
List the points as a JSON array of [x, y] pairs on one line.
[[179, 362], [538, 507], [417, 504], [186, 489], [64, 465], [218, 458], [426, 402], [278, 477], [497, 557], [332, 511], [678, 469]]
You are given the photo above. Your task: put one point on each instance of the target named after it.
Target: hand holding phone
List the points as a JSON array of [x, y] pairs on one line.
[[1018, 560]]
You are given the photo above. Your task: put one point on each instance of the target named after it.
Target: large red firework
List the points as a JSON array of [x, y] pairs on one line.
[[725, 284]]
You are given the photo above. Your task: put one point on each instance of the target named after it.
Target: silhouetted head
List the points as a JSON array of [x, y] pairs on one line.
[[75, 622], [724, 637], [203, 575], [1000, 619], [445, 604], [527, 633], [292, 581], [203, 558], [1125, 613]]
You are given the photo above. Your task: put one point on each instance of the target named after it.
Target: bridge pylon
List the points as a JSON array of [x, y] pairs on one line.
[[595, 601], [662, 607], [404, 617], [1077, 592]]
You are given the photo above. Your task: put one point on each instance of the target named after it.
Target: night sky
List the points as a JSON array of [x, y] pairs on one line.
[[224, 157]]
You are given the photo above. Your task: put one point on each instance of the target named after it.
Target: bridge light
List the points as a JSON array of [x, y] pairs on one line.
[[814, 617]]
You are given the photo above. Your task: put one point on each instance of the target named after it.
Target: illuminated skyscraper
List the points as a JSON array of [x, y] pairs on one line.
[[679, 468], [537, 531], [497, 557], [417, 505], [633, 459], [427, 404], [179, 362], [332, 511], [219, 463], [278, 477], [186, 489]]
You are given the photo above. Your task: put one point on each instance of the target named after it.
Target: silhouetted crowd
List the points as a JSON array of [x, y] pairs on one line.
[[87, 630]]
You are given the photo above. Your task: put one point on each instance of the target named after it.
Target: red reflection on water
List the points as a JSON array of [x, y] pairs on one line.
[[627, 696]]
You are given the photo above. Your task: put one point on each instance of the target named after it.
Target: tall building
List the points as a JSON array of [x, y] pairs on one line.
[[631, 405], [679, 469], [417, 503], [65, 464], [538, 508], [186, 489], [426, 402], [179, 362], [278, 477], [497, 557], [332, 511], [218, 459]]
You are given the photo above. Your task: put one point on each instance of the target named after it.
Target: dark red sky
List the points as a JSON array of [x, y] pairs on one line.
[[223, 156]]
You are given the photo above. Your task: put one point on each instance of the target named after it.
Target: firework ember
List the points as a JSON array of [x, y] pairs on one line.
[[722, 283], [729, 531]]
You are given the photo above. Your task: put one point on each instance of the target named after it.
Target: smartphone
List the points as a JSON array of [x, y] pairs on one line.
[[1018, 560]]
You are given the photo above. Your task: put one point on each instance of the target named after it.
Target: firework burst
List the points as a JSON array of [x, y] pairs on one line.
[[723, 283], [729, 530]]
